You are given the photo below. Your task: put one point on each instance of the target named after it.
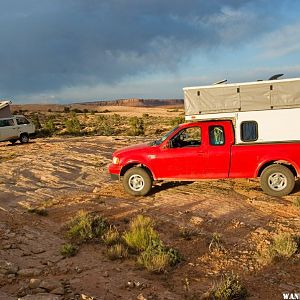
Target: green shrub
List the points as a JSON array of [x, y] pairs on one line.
[[73, 125], [87, 226], [229, 288], [68, 250], [117, 251], [49, 126]]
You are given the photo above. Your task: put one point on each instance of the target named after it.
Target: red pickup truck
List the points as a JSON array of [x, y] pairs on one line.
[[203, 150]]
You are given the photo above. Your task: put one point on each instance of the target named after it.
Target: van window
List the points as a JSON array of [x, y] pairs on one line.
[[216, 135], [7, 122], [22, 121], [249, 131]]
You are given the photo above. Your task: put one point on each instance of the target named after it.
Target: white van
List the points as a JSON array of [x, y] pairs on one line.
[[16, 128]]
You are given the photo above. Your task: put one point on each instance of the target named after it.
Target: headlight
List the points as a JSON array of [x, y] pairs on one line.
[[116, 160]]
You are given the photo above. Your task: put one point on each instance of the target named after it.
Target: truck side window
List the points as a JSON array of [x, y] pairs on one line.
[[249, 131], [216, 135], [188, 137], [6, 123], [22, 121]]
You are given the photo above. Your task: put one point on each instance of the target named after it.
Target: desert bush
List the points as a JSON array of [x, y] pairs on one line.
[[284, 245], [68, 250], [66, 109], [111, 236], [229, 288], [49, 126], [117, 251], [73, 125], [87, 226], [141, 234], [136, 126]]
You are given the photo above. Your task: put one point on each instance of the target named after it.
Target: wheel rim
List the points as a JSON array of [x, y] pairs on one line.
[[277, 181], [136, 182]]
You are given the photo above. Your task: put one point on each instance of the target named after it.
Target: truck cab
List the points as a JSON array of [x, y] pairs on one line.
[[188, 152]]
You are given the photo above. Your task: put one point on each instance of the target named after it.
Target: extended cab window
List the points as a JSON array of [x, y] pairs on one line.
[[188, 137], [22, 121], [249, 131], [216, 135], [5, 123]]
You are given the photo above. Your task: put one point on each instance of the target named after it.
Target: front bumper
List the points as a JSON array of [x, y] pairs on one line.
[[114, 171], [114, 177]]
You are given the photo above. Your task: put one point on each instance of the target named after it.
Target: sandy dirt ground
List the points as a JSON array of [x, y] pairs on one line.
[[70, 174]]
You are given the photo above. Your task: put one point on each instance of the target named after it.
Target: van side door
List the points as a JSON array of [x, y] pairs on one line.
[[8, 129]]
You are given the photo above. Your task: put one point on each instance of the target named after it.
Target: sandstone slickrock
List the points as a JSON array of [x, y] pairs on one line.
[[7, 267]]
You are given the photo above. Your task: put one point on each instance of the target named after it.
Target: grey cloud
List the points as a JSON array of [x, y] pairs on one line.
[[51, 44]]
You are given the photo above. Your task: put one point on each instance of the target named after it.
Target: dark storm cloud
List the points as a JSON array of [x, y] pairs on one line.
[[51, 44]]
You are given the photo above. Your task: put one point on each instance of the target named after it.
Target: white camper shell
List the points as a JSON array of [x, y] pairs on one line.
[[261, 112], [14, 127]]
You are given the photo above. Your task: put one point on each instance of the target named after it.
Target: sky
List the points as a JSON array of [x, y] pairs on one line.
[[63, 51]]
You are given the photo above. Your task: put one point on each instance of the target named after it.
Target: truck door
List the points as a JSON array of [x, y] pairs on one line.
[[8, 130], [218, 150], [184, 156]]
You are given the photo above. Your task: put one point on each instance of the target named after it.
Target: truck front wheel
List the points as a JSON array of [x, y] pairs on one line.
[[137, 181], [277, 180]]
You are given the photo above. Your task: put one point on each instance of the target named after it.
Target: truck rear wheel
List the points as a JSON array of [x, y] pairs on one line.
[[137, 181], [277, 180]]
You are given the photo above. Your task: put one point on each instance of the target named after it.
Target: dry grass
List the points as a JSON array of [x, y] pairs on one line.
[[141, 234], [117, 251], [111, 236]]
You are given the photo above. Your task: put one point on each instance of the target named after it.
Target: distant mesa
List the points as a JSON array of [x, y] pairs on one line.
[[136, 102]]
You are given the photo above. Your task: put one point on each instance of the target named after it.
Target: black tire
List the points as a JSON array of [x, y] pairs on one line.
[[13, 141], [137, 181], [24, 138], [277, 180]]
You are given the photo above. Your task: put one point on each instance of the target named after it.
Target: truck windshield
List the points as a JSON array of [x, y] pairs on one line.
[[163, 138]]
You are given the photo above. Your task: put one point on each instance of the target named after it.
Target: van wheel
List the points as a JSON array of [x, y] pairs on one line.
[[24, 138], [277, 180], [137, 181]]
